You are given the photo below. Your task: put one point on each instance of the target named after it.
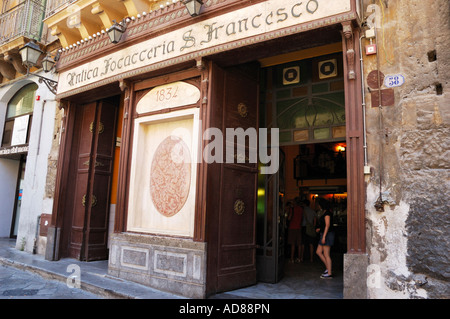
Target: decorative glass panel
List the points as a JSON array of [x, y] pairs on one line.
[[284, 94], [300, 91], [339, 131], [301, 136], [322, 133], [320, 88], [22, 102], [310, 111], [285, 137], [324, 116]]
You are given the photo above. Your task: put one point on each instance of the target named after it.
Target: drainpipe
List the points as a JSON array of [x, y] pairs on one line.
[[39, 141], [363, 94], [40, 127], [379, 204]]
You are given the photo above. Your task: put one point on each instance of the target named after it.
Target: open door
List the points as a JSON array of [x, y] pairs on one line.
[[231, 186], [271, 227], [87, 207]]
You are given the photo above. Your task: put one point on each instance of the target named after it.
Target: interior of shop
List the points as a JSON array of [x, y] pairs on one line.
[[319, 170], [305, 99]]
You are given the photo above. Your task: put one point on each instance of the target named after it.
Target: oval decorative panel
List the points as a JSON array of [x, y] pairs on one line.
[[170, 176]]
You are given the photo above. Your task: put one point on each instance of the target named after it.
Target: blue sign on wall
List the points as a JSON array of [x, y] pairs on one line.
[[395, 80]]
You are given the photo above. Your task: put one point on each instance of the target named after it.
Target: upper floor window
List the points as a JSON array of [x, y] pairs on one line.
[[18, 116]]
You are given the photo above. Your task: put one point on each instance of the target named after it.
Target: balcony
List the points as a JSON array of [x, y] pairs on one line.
[[74, 20], [54, 6], [18, 25], [24, 20]]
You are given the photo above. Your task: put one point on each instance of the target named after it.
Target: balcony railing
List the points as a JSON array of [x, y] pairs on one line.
[[25, 19], [54, 6]]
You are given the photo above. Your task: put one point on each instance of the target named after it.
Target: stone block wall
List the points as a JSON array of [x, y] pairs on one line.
[[169, 264], [408, 189]]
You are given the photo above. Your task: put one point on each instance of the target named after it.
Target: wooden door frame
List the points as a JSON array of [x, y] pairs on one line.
[[131, 90], [356, 198], [22, 162], [355, 177], [53, 249]]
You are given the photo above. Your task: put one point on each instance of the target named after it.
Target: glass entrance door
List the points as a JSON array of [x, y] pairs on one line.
[[271, 225], [18, 201]]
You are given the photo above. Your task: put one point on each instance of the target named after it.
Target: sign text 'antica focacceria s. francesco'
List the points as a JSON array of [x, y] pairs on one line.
[[237, 25]]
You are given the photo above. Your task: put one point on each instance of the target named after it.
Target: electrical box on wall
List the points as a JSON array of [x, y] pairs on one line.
[[371, 49], [370, 33], [44, 223]]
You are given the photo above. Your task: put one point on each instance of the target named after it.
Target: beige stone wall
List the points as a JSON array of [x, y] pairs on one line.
[[408, 152], [53, 156], [51, 176]]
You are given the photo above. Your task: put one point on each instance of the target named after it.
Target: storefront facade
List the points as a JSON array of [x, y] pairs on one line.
[[148, 176]]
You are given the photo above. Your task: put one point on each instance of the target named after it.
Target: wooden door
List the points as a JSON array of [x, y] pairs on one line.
[[231, 189], [92, 168]]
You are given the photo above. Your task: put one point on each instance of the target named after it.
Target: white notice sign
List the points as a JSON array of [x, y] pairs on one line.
[[20, 131]]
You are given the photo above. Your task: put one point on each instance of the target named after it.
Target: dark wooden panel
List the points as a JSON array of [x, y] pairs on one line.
[[101, 179], [86, 116], [237, 228]]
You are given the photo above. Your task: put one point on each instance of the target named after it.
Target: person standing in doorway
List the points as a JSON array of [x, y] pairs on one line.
[[309, 229], [326, 237], [295, 229]]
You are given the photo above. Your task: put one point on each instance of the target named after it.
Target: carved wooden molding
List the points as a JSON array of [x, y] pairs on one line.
[[347, 30]]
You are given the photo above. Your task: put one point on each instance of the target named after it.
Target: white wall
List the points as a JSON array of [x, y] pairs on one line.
[[41, 137], [9, 170], [40, 143]]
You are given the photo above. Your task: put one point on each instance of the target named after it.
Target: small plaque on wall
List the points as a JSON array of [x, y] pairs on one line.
[[291, 75], [328, 69], [168, 96]]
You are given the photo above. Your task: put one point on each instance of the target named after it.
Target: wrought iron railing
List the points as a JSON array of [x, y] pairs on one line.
[[54, 6], [25, 19]]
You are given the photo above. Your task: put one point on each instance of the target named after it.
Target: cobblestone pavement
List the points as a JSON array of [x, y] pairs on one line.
[[21, 284]]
